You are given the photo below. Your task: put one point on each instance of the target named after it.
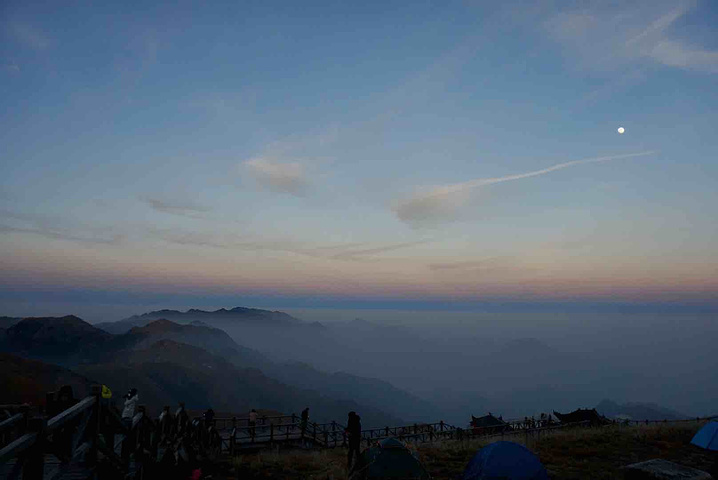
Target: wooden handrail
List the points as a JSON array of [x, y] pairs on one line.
[[9, 422], [18, 446], [62, 418]]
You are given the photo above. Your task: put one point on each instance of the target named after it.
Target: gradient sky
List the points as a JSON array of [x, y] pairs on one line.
[[448, 151]]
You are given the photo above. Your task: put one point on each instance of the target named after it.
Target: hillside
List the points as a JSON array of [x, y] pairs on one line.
[[364, 390], [197, 334], [27, 381], [64, 340], [7, 322], [169, 371]]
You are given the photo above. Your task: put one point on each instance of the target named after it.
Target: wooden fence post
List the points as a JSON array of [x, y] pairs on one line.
[[34, 463], [95, 424], [233, 436], [271, 432]]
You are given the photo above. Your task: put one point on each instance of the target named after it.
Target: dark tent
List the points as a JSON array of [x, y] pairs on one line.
[[505, 461], [590, 416], [389, 459], [488, 425]]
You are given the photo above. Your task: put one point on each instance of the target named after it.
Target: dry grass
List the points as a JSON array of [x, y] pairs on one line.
[[583, 453], [315, 465]]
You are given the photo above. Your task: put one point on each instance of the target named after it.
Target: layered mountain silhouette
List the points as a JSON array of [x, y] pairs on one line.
[[281, 339], [202, 366], [217, 318]]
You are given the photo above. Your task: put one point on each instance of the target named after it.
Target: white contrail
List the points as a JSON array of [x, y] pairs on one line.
[[457, 187], [443, 200]]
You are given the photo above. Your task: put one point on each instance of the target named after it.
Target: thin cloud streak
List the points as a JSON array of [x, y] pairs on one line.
[[60, 235], [184, 209], [287, 177], [443, 200], [361, 254], [354, 252]]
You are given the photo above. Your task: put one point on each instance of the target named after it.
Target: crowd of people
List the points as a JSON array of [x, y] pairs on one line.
[[173, 443], [179, 443]]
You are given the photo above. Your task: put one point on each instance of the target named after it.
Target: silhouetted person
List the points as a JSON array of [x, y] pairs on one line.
[[64, 399], [252, 423], [181, 420], [353, 431], [208, 417], [305, 419], [128, 412], [166, 424]]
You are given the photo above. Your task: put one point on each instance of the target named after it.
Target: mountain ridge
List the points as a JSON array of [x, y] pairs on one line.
[[236, 315]]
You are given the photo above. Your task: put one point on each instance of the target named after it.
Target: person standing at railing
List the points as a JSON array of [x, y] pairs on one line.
[[252, 423], [181, 420], [305, 419], [353, 431], [128, 412]]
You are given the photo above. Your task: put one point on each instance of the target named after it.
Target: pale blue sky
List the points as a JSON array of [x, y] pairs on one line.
[[333, 149]]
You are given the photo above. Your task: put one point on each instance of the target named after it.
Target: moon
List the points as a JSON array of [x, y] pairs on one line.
[[621, 130]]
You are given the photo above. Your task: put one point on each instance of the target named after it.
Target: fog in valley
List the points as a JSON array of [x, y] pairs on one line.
[[456, 364]]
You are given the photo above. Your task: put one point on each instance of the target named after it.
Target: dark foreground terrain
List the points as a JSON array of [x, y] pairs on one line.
[[593, 453]]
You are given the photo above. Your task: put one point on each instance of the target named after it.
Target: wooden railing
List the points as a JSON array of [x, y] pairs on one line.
[[73, 441], [90, 434]]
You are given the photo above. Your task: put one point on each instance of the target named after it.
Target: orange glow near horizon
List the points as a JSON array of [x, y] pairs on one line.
[[409, 279]]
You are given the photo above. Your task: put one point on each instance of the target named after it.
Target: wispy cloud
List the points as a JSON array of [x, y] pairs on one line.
[[353, 251], [11, 67], [486, 264], [287, 177], [439, 203], [28, 35], [54, 234], [56, 229], [182, 208], [603, 37]]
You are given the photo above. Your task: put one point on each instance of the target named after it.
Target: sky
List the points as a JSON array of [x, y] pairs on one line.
[[373, 153]]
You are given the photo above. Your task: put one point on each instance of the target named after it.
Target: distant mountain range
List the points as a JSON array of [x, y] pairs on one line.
[[637, 411], [217, 318]]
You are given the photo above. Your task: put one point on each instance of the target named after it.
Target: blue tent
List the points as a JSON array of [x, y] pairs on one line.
[[707, 437], [507, 461]]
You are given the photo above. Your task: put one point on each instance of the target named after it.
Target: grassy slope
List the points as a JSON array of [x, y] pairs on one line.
[[577, 454]]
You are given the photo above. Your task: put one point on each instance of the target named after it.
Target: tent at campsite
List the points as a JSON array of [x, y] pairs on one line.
[[389, 459], [707, 437], [506, 461]]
